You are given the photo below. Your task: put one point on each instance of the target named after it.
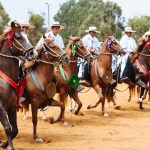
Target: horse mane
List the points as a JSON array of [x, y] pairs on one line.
[[69, 48], [141, 44], [104, 49]]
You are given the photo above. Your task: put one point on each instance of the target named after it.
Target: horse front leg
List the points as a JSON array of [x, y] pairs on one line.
[[149, 93], [12, 116], [77, 100], [141, 99], [55, 103], [34, 108], [7, 128]]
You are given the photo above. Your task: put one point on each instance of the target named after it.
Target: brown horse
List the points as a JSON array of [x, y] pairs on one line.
[[39, 77], [64, 89], [14, 43], [101, 72]]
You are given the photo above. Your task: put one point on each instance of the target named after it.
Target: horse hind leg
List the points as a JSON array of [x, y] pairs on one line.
[[77, 100], [8, 131], [141, 99], [98, 90]]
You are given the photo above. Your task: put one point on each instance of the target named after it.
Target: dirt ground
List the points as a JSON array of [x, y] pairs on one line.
[[125, 129]]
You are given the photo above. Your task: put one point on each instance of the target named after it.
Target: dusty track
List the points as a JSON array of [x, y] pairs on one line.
[[125, 129]]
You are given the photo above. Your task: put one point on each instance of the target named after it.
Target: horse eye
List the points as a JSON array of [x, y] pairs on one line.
[[18, 35]]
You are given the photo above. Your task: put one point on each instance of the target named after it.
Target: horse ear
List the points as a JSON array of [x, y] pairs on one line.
[[106, 35], [12, 24], [44, 36]]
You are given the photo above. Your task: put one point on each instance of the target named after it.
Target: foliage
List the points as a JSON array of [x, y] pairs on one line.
[[78, 16], [4, 18], [140, 24], [36, 33]]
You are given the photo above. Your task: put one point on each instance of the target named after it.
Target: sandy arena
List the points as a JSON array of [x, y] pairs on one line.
[[125, 129]]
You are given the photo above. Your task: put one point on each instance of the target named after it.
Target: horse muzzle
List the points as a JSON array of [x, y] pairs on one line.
[[31, 54], [90, 58], [65, 59]]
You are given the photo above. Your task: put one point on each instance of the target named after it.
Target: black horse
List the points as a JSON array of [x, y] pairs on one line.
[[14, 43], [139, 65]]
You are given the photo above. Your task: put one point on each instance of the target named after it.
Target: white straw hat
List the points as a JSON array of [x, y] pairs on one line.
[[92, 29], [26, 24], [57, 24], [129, 29]]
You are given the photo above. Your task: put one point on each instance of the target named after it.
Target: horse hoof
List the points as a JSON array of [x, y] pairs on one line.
[[1, 143], [4, 145], [65, 124], [89, 107], [53, 120], [81, 114], [72, 110], [106, 115], [117, 107], [11, 148], [39, 140], [142, 109], [44, 118]]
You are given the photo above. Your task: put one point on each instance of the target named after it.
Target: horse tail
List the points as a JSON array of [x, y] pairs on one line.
[[132, 90], [24, 106]]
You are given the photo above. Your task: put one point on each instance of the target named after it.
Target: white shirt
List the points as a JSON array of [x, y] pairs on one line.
[[128, 43], [57, 40], [91, 42]]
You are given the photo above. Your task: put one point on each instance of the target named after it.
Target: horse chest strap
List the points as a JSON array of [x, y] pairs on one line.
[[35, 81]]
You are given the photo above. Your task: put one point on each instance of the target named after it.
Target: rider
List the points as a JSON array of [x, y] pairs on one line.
[[54, 33], [91, 42], [128, 43], [26, 28]]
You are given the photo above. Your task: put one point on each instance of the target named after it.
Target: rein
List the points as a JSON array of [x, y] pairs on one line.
[[51, 51], [22, 49], [146, 55], [74, 51]]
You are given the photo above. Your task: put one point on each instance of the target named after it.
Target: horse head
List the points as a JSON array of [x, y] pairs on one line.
[[17, 41], [111, 45], [55, 53], [76, 48]]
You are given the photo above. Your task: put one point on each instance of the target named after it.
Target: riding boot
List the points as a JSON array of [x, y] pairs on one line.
[[128, 75]]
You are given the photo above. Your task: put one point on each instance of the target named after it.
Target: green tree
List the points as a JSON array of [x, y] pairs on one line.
[[78, 16], [36, 33], [140, 24], [4, 18]]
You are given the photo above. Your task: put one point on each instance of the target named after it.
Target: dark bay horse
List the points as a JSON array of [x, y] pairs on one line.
[[14, 43], [141, 64], [101, 72], [142, 71], [40, 76]]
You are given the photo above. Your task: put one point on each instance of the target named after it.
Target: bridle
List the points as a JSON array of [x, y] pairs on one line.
[[75, 46], [52, 53], [21, 48], [13, 42]]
